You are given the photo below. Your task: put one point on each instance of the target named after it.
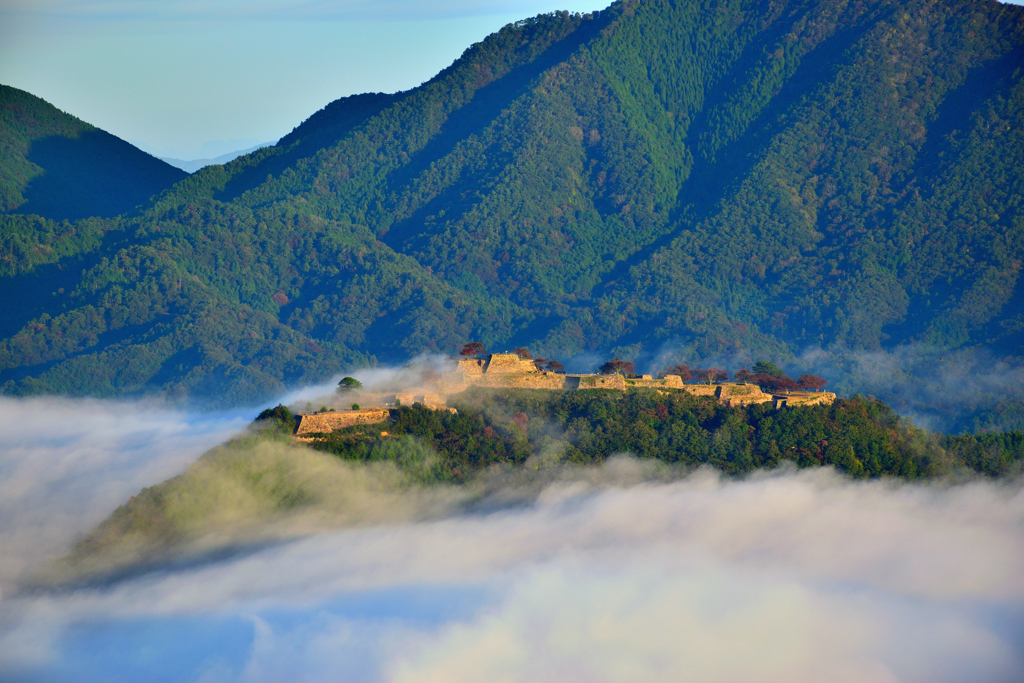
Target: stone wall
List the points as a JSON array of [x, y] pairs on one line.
[[614, 382], [508, 363], [669, 382], [313, 423], [534, 380], [701, 389], [741, 394], [470, 367], [805, 398]]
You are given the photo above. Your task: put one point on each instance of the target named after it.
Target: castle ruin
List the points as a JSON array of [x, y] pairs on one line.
[[509, 371]]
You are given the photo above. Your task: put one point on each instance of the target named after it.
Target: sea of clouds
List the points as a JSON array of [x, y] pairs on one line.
[[608, 575]]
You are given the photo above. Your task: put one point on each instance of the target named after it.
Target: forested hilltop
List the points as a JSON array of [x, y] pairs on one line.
[[725, 179], [62, 168], [503, 447]]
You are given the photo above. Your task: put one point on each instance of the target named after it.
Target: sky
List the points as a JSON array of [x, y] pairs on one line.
[[195, 79]]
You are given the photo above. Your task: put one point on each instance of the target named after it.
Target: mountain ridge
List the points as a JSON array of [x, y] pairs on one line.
[[669, 180], [59, 167]]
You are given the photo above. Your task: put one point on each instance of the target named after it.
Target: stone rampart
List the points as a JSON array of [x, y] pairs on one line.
[[804, 398], [470, 367], [614, 382], [313, 423], [508, 363], [701, 389], [741, 394], [668, 382], [534, 380]]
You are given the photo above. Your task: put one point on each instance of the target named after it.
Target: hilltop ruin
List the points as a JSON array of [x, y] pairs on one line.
[[509, 371]]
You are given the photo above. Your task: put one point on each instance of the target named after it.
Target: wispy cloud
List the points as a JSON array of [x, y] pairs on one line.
[[65, 464], [939, 389]]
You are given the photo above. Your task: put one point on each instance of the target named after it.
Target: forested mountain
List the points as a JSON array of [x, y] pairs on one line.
[[722, 178], [56, 166]]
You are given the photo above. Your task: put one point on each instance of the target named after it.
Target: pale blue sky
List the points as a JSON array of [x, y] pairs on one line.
[[197, 78]]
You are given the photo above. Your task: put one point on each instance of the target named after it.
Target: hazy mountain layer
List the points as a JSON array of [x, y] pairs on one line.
[[715, 178], [193, 165]]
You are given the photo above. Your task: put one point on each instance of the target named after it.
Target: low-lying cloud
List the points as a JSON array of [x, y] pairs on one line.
[[65, 464], [616, 573]]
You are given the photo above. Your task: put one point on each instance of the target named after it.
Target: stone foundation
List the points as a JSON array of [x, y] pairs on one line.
[[804, 398], [313, 423]]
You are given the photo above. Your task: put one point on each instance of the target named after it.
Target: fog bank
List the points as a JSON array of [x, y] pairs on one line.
[[65, 464], [617, 573]]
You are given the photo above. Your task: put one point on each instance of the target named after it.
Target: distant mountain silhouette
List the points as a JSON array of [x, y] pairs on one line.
[[57, 166], [193, 165]]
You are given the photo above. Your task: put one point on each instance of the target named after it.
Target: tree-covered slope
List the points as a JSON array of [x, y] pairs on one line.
[[57, 166], [729, 177]]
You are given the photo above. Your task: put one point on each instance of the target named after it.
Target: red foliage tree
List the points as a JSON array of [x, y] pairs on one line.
[[472, 349], [618, 366], [539, 362], [710, 375], [774, 383], [681, 370], [811, 383], [743, 375], [523, 353], [554, 366]]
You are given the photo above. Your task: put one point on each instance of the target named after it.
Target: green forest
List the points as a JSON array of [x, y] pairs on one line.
[[722, 180], [860, 437]]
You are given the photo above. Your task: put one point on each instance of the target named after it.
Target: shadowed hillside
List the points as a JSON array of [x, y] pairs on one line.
[[56, 166], [682, 179]]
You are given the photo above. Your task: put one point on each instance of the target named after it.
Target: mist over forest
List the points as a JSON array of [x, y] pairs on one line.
[[815, 574], [740, 189]]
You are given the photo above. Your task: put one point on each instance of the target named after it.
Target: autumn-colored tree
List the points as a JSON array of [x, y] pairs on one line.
[[774, 383], [681, 370], [710, 375], [472, 349], [811, 383], [540, 362], [618, 366], [743, 375], [554, 366], [523, 353]]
